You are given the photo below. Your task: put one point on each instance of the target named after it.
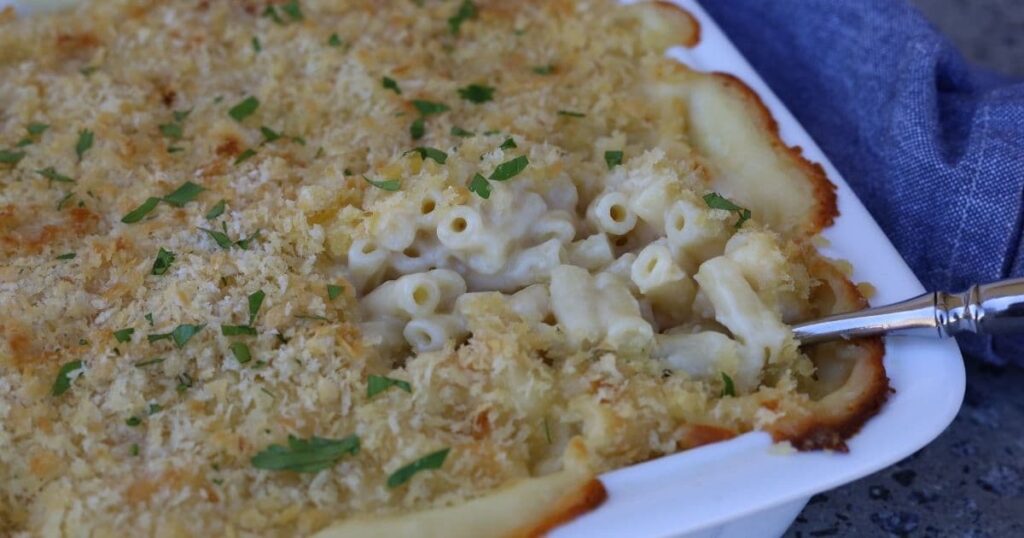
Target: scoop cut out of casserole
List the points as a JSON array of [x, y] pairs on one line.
[[353, 268]]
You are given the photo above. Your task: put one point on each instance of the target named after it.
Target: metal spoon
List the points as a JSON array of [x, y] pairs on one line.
[[996, 308]]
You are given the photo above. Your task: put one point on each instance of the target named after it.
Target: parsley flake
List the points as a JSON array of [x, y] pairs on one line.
[[221, 238], [256, 46], [136, 214], [334, 291], [133, 421], [509, 143], [612, 158], [571, 114], [171, 131], [306, 456], [293, 10], [334, 41], [477, 93], [428, 108], [480, 186], [434, 460], [124, 335], [11, 157], [509, 169], [271, 14], [36, 129], [717, 201], [417, 129], [216, 211], [244, 108], [180, 335], [85, 139], [390, 185], [430, 153], [376, 384], [269, 135], [241, 352], [255, 301], [465, 12], [244, 156], [63, 381], [237, 330], [390, 84], [544, 69], [163, 261], [729, 389], [460, 132], [183, 194], [68, 256]]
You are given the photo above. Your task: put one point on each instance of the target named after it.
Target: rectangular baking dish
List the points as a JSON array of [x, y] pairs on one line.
[[746, 486]]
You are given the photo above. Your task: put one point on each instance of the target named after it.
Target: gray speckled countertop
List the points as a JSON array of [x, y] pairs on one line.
[[970, 481]]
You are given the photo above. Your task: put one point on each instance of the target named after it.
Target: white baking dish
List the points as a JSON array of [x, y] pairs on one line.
[[745, 487]]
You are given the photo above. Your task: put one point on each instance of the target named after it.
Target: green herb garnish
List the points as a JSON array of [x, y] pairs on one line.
[[67, 256], [255, 301], [334, 41], [428, 108], [153, 409], [244, 156], [36, 129], [480, 186], [244, 108], [612, 158], [334, 291], [63, 382], [241, 352], [434, 460], [390, 84], [85, 139], [477, 93], [509, 143], [306, 456], [269, 135], [375, 384], [256, 46], [124, 335], [571, 114], [509, 169], [216, 211], [180, 335], [271, 14], [465, 12], [293, 10], [237, 330], [390, 185], [133, 421], [221, 238], [163, 261], [11, 157], [184, 194], [717, 201], [171, 130], [460, 132], [417, 129], [136, 214], [729, 389], [430, 153], [544, 69]]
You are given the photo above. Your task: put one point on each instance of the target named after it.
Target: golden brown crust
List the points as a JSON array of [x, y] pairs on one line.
[[666, 25], [691, 37], [825, 210], [862, 386], [569, 507]]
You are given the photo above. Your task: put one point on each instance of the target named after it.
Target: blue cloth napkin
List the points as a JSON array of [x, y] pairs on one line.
[[932, 145]]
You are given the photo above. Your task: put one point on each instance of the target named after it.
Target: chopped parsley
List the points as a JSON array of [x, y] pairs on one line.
[[430, 153], [221, 238], [509, 169], [184, 194], [544, 69], [477, 93], [612, 158], [171, 131], [85, 139], [11, 157], [255, 301], [148, 362], [571, 114], [244, 108], [136, 214], [153, 409], [717, 201], [180, 115], [149, 318], [271, 14], [244, 156], [460, 132], [306, 456], [390, 185], [293, 10], [256, 46], [65, 199], [67, 256], [88, 70], [334, 40], [376, 384], [729, 389], [427, 108], [184, 382], [163, 261], [334, 291], [509, 143], [36, 129], [269, 135], [434, 460], [133, 421], [180, 335], [135, 449], [416, 130], [480, 186], [63, 381], [244, 243], [465, 12], [389, 84], [124, 335], [216, 211], [241, 352], [237, 330]]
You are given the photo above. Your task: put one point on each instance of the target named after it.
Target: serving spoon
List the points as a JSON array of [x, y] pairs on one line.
[[996, 308]]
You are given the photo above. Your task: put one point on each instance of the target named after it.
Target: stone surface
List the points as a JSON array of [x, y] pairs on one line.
[[967, 483]]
